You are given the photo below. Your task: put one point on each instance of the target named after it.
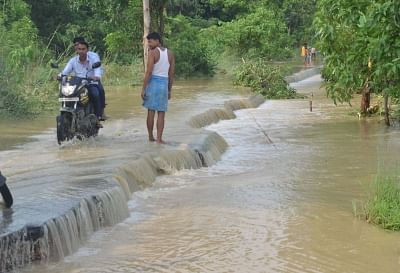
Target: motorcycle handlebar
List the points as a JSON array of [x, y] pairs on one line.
[[61, 77]]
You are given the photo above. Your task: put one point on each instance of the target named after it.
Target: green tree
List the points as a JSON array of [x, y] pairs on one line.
[[21, 56], [381, 24], [299, 15], [261, 33], [361, 45], [192, 54]]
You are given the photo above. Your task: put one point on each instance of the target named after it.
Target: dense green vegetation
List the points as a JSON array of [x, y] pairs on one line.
[[22, 61], [265, 79], [200, 32], [361, 45]]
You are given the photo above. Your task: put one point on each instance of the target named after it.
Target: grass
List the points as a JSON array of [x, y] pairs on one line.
[[383, 206], [122, 75]]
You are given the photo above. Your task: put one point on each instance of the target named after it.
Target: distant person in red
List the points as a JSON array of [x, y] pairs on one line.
[[5, 192]]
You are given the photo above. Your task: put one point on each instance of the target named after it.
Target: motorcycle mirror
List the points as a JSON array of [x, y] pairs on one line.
[[54, 65], [96, 65]]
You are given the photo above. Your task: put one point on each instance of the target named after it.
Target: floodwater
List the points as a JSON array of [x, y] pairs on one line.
[[279, 200]]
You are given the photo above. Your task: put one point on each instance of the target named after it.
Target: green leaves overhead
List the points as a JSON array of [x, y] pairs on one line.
[[260, 33]]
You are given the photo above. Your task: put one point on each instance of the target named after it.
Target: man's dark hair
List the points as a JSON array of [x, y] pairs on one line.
[[78, 39], [154, 36], [83, 43]]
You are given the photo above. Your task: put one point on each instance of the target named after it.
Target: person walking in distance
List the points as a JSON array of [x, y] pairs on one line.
[[303, 52], [157, 85]]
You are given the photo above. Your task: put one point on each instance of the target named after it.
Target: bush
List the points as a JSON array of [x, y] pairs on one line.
[[129, 74], [25, 88], [266, 79], [262, 33], [192, 55]]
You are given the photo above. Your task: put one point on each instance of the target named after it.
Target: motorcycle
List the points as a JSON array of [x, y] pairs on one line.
[[76, 117]]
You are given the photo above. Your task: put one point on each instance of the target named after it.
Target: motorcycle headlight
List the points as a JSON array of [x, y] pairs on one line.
[[67, 90]]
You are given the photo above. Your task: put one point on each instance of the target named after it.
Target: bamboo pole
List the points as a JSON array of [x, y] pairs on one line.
[[146, 31]]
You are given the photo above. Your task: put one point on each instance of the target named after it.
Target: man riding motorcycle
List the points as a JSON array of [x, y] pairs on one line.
[[81, 65], [96, 57]]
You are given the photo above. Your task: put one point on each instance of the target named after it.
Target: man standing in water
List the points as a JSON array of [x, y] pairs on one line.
[[157, 84]]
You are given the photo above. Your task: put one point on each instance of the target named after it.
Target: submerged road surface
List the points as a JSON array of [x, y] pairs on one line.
[[279, 200]]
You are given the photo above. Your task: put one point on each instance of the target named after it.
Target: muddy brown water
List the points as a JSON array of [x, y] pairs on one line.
[[279, 200]]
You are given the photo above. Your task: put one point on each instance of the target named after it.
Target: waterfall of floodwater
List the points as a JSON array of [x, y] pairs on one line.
[[141, 173], [61, 236], [215, 115]]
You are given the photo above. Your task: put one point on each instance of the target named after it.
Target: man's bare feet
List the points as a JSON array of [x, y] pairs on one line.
[[152, 139], [161, 142]]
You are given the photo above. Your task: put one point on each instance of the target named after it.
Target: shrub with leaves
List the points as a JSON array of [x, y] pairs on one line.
[[25, 88], [193, 56], [264, 78]]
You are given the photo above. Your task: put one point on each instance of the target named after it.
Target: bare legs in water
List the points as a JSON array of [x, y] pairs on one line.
[[160, 125]]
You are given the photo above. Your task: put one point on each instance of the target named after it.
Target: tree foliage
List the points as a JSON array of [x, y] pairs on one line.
[[265, 79], [360, 42], [261, 33], [20, 53], [191, 52]]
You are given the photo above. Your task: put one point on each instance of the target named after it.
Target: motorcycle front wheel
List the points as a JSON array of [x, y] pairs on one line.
[[63, 127], [7, 197], [93, 129]]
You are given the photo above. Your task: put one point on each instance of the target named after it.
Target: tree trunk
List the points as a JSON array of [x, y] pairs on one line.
[[365, 99], [146, 30], [158, 9], [386, 102], [162, 23]]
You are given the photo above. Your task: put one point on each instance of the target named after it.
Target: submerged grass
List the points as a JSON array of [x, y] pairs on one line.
[[383, 206]]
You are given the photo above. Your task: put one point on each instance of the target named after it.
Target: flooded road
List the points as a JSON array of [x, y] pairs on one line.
[[64, 193], [279, 200]]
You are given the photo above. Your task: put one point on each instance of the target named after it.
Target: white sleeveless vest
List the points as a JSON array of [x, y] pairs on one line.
[[161, 68]]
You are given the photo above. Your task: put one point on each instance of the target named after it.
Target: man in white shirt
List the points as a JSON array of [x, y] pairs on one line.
[[96, 57], [81, 66], [157, 85]]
